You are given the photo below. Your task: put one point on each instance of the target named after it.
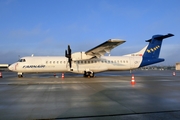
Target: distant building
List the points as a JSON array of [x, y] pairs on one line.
[[177, 66], [4, 65]]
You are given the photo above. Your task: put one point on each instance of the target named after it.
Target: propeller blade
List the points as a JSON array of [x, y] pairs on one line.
[[66, 55], [69, 50], [70, 63], [69, 47]]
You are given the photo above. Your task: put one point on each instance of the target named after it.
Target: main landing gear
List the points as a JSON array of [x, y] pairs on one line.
[[88, 74]]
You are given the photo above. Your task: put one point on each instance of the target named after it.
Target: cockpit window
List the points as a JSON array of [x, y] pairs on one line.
[[22, 60]]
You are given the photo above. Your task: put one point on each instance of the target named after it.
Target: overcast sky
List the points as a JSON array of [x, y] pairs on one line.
[[46, 27]]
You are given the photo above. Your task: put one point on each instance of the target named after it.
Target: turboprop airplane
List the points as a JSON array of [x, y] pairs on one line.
[[92, 61]]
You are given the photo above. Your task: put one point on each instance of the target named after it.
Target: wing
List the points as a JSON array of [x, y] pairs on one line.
[[103, 48]]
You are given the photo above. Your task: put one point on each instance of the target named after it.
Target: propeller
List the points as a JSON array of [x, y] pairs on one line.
[[68, 55]]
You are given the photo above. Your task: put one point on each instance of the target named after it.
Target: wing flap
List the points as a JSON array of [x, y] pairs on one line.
[[103, 48]]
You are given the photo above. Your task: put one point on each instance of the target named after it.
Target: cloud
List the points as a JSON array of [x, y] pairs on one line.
[[24, 33], [122, 9], [6, 2]]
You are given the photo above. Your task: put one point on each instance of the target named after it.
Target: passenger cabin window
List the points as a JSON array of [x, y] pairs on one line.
[[22, 60]]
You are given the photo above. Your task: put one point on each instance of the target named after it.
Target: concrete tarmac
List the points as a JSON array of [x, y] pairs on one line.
[[156, 95]]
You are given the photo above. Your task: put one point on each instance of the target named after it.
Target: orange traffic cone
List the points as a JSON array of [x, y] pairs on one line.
[[0, 75], [54, 74], [174, 73], [62, 75], [133, 80]]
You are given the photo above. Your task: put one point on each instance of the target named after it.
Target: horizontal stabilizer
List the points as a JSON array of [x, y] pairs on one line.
[[160, 37]]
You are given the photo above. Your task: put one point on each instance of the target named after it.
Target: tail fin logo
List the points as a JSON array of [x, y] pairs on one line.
[[153, 49]]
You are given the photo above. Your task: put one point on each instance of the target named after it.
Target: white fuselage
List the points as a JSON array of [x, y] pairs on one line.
[[93, 60], [60, 64]]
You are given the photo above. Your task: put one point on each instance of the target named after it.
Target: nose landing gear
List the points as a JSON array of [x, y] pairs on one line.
[[20, 75]]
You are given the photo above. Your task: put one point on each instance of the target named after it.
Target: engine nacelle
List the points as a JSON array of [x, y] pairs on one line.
[[80, 56]]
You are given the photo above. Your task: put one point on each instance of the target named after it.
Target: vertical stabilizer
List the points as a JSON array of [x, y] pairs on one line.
[[151, 54], [154, 47]]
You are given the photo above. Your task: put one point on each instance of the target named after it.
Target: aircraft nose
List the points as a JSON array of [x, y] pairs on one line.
[[12, 67]]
